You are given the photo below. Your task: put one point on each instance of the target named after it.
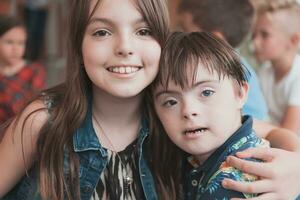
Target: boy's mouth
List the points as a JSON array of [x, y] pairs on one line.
[[124, 69], [195, 131]]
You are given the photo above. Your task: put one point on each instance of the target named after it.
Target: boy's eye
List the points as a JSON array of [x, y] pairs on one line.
[[207, 93], [101, 33], [144, 32], [170, 103]]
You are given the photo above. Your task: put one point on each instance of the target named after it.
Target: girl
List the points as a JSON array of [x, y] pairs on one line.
[[91, 125], [19, 79], [87, 138]]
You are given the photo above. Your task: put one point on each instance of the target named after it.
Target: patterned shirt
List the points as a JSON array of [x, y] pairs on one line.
[[204, 182], [16, 89], [113, 184]]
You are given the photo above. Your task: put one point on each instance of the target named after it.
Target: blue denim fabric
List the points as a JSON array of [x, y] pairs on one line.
[[93, 160]]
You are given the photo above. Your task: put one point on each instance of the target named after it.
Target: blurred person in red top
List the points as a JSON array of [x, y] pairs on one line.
[[19, 79]]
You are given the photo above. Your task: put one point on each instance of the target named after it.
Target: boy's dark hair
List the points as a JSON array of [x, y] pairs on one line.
[[8, 22], [233, 18], [184, 51]]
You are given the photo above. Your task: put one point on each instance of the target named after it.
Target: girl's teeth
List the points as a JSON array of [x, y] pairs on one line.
[[123, 70]]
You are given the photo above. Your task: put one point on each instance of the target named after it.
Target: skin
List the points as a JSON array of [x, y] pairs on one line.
[[210, 104], [12, 49]]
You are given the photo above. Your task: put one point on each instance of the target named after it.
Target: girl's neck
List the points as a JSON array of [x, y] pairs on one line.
[[283, 65], [9, 70], [119, 118]]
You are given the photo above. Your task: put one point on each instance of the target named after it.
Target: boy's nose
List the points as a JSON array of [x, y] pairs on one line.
[[189, 111], [190, 115]]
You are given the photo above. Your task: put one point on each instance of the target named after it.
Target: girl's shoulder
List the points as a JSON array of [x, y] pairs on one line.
[[33, 117]]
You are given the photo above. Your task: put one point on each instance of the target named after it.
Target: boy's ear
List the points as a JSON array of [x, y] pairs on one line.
[[243, 94]]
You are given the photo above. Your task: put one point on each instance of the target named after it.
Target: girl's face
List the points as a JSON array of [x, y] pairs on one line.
[[12, 46], [202, 116], [270, 41], [119, 53]]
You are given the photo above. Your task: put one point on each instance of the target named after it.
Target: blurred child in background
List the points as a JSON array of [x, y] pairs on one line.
[[19, 80], [276, 38]]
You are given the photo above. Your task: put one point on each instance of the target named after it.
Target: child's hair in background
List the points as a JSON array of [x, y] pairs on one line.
[[181, 55], [287, 11], [232, 18], [68, 102], [8, 22]]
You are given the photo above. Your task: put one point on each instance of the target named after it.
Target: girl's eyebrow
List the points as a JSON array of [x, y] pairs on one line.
[[111, 22]]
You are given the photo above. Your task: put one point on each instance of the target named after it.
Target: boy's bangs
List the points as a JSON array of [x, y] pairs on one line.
[[182, 56]]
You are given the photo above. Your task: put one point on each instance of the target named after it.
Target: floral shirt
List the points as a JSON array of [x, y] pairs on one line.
[[204, 182]]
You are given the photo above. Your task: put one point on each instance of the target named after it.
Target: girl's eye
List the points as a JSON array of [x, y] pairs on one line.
[[170, 103], [101, 33], [144, 32], [207, 93]]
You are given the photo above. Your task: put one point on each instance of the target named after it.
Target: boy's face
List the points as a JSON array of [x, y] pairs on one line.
[[200, 118], [12, 46], [270, 41]]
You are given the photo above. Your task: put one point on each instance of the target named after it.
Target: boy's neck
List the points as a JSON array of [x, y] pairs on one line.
[[283, 65], [9, 70]]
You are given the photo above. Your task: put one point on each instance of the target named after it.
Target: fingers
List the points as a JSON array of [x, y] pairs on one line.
[[265, 154], [255, 168], [267, 196], [256, 187]]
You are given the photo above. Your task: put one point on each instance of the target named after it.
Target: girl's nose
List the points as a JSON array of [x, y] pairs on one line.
[[124, 46]]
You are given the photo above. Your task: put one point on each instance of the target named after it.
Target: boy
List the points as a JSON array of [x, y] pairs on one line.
[[198, 96], [231, 21], [276, 39]]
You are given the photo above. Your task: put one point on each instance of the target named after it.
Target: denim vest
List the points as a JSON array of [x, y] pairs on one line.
[[93, 160]]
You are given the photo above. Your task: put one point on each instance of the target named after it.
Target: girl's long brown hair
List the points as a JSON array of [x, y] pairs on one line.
[[69, 101]]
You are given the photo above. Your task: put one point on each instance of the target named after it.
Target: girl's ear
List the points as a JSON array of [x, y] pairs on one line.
[[242, 95]]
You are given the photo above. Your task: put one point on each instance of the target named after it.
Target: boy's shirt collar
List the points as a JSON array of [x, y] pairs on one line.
[[218, 155]]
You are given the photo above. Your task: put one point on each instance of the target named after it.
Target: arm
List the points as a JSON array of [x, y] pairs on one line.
[[291, 118], [17, 149], [278, 137]]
